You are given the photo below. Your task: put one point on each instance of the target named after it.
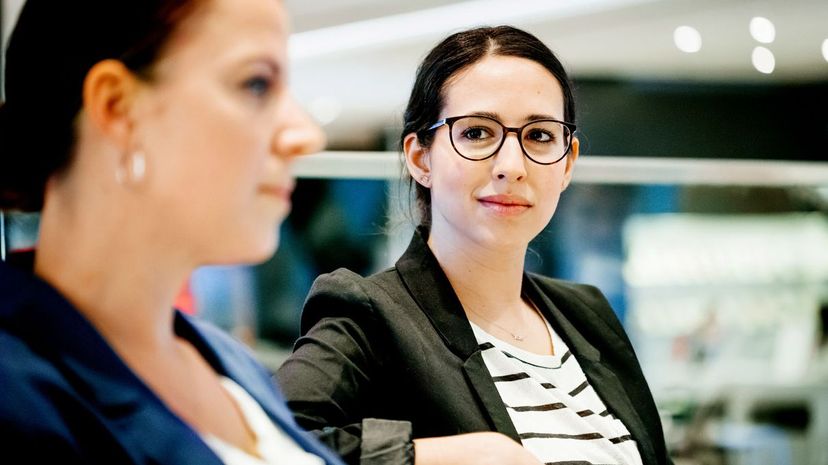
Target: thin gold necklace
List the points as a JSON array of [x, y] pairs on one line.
[[518, 337], [515, 336]]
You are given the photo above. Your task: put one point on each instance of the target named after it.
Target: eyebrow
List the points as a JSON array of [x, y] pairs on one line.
[[496, 116], [536, 117], [271, 64]]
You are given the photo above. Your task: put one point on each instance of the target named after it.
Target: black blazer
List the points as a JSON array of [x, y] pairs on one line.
[[397, 346]]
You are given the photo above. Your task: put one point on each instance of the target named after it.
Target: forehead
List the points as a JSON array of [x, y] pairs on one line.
[[267, 14], [513, 87], [221, 26]]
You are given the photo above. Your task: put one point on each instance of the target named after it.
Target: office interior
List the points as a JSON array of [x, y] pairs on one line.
[[699, 205]]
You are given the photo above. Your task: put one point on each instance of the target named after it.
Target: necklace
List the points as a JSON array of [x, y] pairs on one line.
[[516, 337], [519, 337]]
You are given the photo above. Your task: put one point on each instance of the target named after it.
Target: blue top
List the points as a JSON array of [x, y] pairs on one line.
[[66, 397]]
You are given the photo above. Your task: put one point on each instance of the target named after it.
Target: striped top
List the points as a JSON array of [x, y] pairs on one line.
[[557, 414]]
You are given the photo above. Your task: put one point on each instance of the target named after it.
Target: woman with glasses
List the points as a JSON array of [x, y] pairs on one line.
[[457, 355], [153, 136]]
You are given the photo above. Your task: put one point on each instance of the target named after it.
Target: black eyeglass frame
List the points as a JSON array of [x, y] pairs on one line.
[[506, 130]]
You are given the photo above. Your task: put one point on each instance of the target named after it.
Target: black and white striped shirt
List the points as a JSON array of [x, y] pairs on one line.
[[558, 415]]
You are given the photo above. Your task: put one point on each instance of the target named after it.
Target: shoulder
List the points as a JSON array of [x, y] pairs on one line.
[[584, 294], [344, 284], [36, 396], [578, 301], [341, 284], [345, 293], [42, 414]]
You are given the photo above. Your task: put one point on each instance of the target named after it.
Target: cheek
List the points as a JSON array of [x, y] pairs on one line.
[[204, 139], [549, 190], [452, 181], [207, 174]]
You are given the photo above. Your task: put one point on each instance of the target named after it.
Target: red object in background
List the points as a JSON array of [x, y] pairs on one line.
[[185, 301]]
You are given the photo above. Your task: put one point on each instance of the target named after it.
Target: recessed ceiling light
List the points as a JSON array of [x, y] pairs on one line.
[[762, 30], [763, 60], [825, 49], [687, 39]]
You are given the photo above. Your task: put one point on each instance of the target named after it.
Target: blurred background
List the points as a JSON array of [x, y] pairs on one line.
[[699, 206]]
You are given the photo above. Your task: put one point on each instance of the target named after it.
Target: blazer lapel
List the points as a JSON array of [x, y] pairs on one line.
[[431, 289], [608, 386], [601, 378], [132, 414], [481, 380], [227, 358]]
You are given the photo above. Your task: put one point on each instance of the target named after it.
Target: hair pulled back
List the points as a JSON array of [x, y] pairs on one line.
[[455, 53], [52, 48]]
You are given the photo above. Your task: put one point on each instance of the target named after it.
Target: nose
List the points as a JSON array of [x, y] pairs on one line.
[[509, 162], [296, 133]]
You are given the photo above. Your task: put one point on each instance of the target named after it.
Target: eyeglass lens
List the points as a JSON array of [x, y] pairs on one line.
[[477, 138]]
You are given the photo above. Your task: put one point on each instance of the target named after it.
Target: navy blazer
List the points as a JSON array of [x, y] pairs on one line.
[[66, 397], [397, 346]]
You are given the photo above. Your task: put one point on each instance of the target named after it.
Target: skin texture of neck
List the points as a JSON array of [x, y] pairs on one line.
[[122, 268], [486, 279], [121, 274]]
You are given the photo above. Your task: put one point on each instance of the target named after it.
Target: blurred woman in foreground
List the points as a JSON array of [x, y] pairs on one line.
[[154, 136]]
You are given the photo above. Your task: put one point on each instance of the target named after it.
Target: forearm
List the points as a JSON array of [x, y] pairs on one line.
[[484, 448]]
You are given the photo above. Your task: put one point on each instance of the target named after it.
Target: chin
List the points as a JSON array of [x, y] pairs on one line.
[[506, 239], [266, 250], [257, 250]]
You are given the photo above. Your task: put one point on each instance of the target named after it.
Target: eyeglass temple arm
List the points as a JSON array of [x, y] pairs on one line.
[[437, 124]]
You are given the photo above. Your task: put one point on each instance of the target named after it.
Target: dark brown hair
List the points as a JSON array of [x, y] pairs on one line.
[[53, 46], [457, 52]]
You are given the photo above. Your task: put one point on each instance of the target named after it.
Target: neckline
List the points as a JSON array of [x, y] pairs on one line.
[[272, 443], [540, 360], [250, 416]]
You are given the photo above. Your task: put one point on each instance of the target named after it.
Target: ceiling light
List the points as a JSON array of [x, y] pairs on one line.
[[435, 23], [762, 30], [763, 60], [687, 39], [825, 49]]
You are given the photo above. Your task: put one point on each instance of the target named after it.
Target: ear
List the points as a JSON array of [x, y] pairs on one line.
[[109, 91], [417, 160], [571, 158]]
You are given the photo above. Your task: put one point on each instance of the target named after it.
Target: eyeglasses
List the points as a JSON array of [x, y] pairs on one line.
[[476, 138]]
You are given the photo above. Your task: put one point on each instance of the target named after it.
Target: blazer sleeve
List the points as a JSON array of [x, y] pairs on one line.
[[330, 379]]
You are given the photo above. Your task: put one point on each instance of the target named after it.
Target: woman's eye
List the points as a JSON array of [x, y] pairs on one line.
[[258, 85], [476, 133], [537, 135]]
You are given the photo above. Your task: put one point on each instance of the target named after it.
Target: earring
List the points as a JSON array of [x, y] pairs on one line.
[[424, 179], [132, 168]]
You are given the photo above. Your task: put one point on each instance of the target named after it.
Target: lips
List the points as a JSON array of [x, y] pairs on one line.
[[506, 200], [505, 204], [277, 190]]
